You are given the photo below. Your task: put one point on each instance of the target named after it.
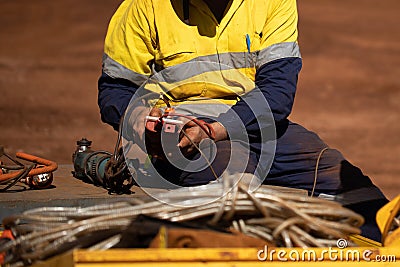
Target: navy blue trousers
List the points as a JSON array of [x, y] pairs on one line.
[[297, 151]]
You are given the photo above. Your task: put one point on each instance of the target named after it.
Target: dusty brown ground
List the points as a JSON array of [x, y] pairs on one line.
[[349, 89]]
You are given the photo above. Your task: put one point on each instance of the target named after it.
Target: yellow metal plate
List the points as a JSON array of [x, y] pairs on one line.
[[355, 256]]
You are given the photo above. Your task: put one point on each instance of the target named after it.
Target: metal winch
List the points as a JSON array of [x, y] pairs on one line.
[[102, 168]]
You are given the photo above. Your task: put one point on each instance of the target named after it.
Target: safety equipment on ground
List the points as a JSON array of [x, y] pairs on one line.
[[102, 167], [38, 174]]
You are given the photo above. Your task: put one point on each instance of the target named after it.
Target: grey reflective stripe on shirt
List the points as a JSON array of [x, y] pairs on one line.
[[232, 60], [115, 70], [238, 60], [209, 63], [355, 196], [277, 51], [190, 69]]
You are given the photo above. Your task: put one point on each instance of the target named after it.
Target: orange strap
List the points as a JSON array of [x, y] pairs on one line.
[[49, 166]]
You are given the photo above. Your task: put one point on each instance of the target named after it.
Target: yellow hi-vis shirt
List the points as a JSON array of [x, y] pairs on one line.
[[145, 36]]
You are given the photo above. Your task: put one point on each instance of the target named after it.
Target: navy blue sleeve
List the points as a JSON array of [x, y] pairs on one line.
[[114, 96], [277, 82]]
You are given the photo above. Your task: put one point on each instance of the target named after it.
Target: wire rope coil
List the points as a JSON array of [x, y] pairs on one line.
[[284, 218]]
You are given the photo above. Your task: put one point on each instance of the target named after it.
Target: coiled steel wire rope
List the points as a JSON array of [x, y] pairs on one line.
[[283, 218]]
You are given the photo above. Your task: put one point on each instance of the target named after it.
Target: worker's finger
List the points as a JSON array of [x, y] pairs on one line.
[[155, 112], [191, 137], [137, 120], [139, 131], [187, 148], [184, 142]]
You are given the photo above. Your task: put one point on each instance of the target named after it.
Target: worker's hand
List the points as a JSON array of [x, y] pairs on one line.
[[192, 135], [137, 121], [153, 131]]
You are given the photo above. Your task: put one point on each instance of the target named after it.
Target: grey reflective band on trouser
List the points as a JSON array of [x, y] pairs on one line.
[[355, 196], [278, 51], [115, 70]]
